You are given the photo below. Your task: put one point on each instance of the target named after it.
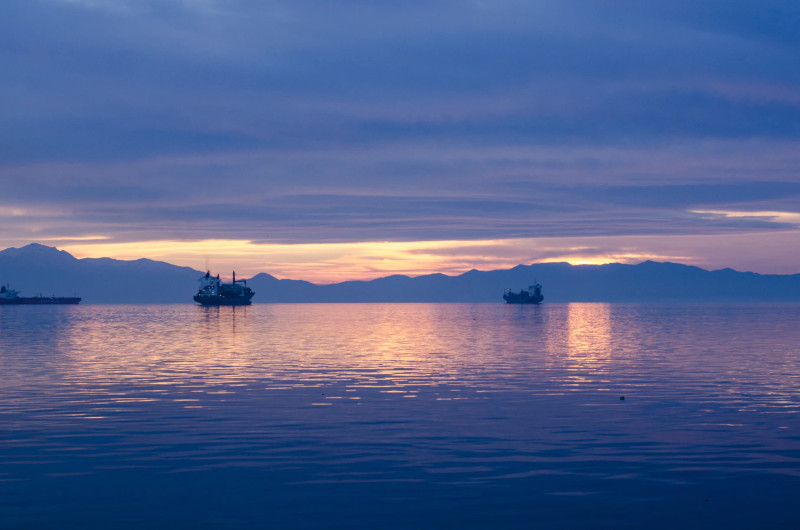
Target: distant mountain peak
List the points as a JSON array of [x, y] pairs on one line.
[[37, 250], [41, 268]]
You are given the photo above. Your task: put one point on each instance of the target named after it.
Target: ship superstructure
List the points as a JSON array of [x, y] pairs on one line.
[[213, 292]]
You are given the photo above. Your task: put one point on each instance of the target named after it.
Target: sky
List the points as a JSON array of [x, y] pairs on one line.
[[342, 140]]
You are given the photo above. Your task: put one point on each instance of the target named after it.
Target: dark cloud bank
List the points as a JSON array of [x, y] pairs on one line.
[[316, 121]]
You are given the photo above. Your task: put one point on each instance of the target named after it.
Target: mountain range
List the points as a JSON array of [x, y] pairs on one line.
[[36, 268]]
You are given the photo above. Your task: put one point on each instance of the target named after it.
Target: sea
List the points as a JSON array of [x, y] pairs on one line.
[[400, 416]]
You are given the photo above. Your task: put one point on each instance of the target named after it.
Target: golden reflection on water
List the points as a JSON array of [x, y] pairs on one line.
[[194, 386], [135, 354], [394, 349], [398, 348], [588, 332]]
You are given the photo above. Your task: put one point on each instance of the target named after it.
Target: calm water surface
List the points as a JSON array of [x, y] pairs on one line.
[[400, 416]]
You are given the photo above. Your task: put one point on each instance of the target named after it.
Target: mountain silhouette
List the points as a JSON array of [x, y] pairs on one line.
[[36, 268]]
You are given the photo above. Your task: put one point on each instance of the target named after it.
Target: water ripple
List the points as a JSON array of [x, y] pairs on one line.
[[487, 401]]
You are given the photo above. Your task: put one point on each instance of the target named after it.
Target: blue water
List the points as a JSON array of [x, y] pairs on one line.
[[400, 416]]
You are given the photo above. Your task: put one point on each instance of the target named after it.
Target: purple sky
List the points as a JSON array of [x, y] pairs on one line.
[[298, 135]]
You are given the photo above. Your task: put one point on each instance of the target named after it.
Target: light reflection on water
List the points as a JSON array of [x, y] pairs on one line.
[[318, 415]]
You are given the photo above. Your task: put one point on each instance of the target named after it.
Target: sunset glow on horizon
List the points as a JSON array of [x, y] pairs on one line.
[[335, 262]]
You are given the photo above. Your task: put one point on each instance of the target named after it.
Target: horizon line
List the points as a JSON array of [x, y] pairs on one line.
[[389, 275]]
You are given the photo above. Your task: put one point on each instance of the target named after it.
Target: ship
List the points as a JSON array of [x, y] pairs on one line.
[[9, 296], [532, 296], [213, 292]]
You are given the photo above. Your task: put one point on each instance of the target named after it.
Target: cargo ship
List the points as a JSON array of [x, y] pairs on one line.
[[213, 292], [9, 296], [532, 296]]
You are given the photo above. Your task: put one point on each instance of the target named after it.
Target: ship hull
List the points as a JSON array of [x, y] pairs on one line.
[[41, 300], [215, 301], [517, 299]]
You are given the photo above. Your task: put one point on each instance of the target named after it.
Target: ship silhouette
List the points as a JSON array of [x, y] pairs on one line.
[[532, 296], [213, 292], [9, 296]]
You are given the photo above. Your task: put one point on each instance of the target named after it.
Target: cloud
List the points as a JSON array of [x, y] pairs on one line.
[[203, 76], [135, 213], [328, 122], [788, 219]]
